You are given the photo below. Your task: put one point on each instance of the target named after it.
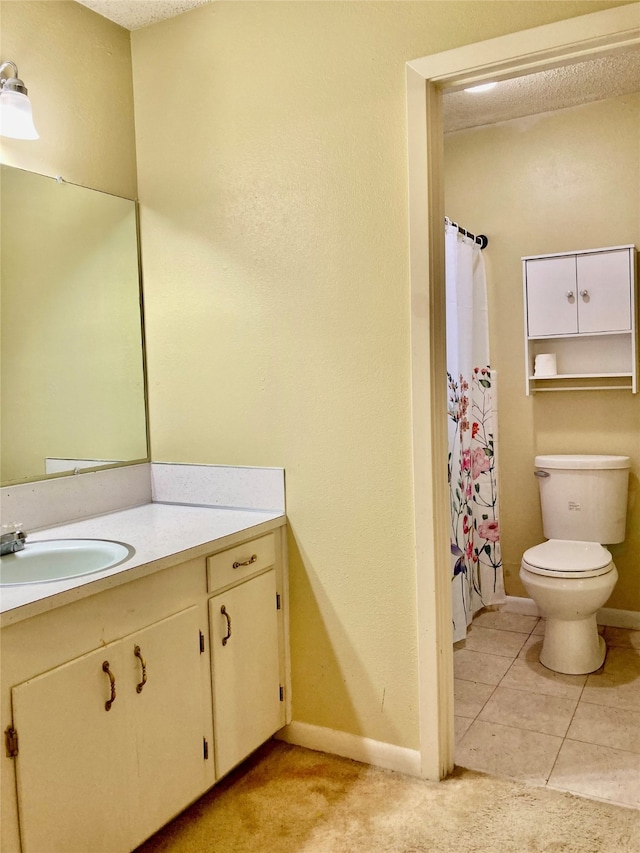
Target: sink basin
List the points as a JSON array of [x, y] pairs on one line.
[[57, 559]]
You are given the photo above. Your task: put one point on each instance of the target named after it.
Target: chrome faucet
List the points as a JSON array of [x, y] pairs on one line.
[[12, 540]]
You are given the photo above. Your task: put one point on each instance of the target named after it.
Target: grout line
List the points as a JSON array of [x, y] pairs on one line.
[[563, 738]]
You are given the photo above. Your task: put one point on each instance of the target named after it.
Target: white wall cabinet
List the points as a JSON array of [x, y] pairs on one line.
[[84, 778], [581, 307]]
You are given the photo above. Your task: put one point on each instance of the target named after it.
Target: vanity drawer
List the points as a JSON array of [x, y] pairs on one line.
[[240, 562]]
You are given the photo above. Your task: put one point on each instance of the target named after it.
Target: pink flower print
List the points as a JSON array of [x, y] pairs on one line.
[[479, 462], [469, 550], [466, 460], [489, 530], [465, 525], [475, 429]]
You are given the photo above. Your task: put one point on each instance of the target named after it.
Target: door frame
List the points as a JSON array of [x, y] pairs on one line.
[[513, 55]]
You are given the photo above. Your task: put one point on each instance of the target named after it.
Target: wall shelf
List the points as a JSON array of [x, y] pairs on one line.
[[581, 307]]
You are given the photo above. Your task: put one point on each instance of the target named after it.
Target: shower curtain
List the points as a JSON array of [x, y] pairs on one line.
[[476, 560]]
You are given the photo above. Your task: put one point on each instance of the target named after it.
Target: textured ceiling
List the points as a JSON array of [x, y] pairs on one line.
[[133, 14], [594, 80]]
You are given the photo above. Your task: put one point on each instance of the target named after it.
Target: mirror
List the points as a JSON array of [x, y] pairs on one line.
[[73, 382]]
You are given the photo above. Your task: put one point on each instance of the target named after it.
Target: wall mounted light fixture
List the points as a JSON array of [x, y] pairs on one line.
[[16, 120]]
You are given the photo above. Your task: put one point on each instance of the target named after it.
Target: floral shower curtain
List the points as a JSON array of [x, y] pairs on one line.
[[476, 560]]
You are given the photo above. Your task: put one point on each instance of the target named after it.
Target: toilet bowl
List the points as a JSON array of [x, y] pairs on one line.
[[570, 581], [570, 576]]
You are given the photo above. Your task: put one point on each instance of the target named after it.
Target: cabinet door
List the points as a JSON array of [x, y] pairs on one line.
[[74, 762], [552, 307], [604, 292], [246, 669], [164, 673]]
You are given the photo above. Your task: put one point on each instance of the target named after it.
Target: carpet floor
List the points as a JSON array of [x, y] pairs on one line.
[[285, 799]]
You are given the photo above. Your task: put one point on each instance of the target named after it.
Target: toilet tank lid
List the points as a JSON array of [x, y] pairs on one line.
[[582, 460]]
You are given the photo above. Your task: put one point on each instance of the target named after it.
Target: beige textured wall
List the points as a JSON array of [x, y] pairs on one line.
[[550, 183], [271, 143], [77, 68]]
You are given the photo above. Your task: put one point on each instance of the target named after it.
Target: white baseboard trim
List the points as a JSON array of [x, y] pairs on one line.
[[378, 753], [523, 606], [610, 616], [619, 618]]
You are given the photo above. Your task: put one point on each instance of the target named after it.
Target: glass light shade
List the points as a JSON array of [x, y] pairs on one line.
[[16, 120]]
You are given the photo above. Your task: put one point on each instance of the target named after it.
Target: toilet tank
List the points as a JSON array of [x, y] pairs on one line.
[[583, 497]]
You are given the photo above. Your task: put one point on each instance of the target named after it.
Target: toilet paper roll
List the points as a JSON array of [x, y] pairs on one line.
[[545, 364]]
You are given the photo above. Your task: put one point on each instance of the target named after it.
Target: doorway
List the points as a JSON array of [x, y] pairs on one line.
[[509, 56]]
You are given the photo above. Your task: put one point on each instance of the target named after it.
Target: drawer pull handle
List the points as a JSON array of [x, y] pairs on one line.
[[112, 685], [252, 559], [138, 653], [225, 639], [570, 294]]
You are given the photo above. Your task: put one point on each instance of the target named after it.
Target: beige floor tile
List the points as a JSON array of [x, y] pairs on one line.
[[622, 638], [531, 648], [507, 751], [461, 725], [495, 642], [549, 715], [532, 677], [597, 771], [505, 621], [617, 684], [597, 724], [476, 666], [539, 629], [470, 697]]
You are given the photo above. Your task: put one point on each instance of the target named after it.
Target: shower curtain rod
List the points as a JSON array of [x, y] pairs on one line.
[[480, 239]]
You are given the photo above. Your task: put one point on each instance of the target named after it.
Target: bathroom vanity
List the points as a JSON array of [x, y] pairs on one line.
[[124, 698]]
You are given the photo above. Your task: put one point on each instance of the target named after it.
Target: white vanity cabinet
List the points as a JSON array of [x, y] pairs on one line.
[[108, 713], [247, 649], [581, 307], [111, 743]]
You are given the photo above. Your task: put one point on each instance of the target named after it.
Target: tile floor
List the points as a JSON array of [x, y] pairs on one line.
[[514, 717]]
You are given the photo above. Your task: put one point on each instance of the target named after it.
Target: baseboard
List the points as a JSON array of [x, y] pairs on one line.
[[523, 606], [610, 616], [377, 753]]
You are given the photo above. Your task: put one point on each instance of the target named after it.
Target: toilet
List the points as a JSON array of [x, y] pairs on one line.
[[570, 576]]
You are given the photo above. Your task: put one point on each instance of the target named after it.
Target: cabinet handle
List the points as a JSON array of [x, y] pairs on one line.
[[225, 639], [252, 559], [137, 652], [112, 684], [584, 294], [570, 294]]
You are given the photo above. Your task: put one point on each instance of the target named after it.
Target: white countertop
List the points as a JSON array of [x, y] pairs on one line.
[[161, 534]]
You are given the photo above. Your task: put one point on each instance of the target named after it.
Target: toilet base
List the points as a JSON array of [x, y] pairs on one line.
[[573, 647]]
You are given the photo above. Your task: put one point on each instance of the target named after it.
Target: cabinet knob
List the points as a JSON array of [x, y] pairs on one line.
[[584, 294], [570, 294]]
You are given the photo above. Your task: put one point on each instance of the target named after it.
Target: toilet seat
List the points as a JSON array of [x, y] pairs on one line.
[[566, 558]]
